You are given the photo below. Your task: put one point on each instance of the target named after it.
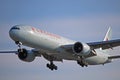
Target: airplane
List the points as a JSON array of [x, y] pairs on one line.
[[57, 48]]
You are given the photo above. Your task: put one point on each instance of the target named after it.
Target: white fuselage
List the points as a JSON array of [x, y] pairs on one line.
[[50, 43]]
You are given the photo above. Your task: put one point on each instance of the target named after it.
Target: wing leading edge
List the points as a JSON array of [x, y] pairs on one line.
[[105, 44]]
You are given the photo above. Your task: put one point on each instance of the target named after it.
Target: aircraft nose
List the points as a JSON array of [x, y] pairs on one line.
[[13, 32]]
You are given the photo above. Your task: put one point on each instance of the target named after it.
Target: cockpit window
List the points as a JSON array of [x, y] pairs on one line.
[[17, 28]]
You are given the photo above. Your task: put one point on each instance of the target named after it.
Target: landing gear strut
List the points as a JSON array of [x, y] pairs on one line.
[[51, 66]]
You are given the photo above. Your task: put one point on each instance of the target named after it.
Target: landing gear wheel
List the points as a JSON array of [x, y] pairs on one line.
[[55, 67], [51, 66], [82, 63], [47, 65], [86, 65], [20, 50]]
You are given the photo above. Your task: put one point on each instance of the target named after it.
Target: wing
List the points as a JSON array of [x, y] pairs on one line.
[[105, 44], [8, 52], [114, 57]]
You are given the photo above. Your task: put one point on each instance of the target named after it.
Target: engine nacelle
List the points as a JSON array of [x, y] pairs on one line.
[[26, 55], [81, 49]]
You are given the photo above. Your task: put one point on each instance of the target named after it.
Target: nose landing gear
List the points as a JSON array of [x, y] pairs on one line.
[[19, 46]]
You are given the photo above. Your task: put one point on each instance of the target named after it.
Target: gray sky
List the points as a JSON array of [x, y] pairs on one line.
[[81, 20]]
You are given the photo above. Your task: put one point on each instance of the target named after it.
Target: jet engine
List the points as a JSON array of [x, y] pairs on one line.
[[26, 55], [81, 49]]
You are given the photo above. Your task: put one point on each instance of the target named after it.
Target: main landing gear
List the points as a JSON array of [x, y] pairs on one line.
[[51, 66], [82, 62]]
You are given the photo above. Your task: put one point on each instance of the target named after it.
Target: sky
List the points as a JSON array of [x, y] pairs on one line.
[[80, 20]]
